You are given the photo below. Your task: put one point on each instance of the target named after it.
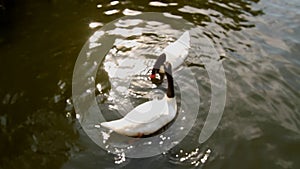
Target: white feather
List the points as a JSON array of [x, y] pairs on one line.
[[177, 51], [146, 118]]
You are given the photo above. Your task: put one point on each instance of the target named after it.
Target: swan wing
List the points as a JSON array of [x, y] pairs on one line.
[[177, 51], [148, 112], [141, 120], [145, 118]]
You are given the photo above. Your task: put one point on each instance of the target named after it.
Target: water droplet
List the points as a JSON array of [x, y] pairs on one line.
[[129, 12], [158, 4], [68, 101], [68, 115], [95, 24], [112, 3], [97, 126], [182, 159], [173, 4], [99, 87], [89, 91], [111, 12]]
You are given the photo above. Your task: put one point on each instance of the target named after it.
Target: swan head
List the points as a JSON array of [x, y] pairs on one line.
[[158, 71]]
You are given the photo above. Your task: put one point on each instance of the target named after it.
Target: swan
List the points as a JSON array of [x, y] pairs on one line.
[[150, 116], [175, 53]]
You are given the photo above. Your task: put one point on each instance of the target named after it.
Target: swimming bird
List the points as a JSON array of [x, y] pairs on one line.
[[150, 116]]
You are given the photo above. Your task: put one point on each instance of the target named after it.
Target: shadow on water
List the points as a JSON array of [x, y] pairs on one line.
[[39, 44]]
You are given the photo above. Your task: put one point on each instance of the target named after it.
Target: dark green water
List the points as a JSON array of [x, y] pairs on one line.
[[260, 127]]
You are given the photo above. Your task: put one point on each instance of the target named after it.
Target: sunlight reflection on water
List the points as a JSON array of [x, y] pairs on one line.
[[259, 42]]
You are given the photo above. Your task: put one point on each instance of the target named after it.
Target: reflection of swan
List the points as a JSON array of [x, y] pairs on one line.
[[175, 53], [150, 116]]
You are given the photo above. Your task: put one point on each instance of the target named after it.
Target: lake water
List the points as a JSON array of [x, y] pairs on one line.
[[258, 42]]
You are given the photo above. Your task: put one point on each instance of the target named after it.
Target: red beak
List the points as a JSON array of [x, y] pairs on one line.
[[152, 76]]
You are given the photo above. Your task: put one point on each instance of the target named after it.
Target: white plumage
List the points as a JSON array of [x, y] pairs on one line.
[[177, 51], [151, 116], [146, 118]]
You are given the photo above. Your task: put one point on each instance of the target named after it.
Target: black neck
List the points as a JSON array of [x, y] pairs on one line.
[[159, 62], [170, 90]]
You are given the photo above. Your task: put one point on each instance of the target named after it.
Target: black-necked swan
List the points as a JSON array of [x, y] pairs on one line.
[[150, 116]]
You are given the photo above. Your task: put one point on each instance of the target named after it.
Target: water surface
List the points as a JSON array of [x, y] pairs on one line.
[[258, 43]]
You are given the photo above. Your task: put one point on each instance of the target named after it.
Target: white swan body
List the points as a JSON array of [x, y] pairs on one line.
[[150, 116], [146, 118], [177, 51]]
